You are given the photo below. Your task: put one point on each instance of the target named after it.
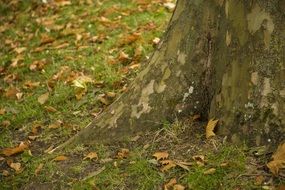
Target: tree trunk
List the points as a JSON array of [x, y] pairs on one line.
[[218, 58]]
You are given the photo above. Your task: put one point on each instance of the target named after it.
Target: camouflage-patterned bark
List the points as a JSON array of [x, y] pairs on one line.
[[218, 58]]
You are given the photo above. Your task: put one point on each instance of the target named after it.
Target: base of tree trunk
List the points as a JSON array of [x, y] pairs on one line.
[[221, 59]]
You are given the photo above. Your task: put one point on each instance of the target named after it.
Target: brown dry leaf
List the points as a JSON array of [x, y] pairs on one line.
[[278, 160], [31, 85], [2, 111], [183, 165], [91, 155], [38, 65], [178, 187], [5, 173], [43, 98], [50, 109], [11, 151], [6, 123], [130, 39], [20, 50], [156, 41], [160, 155], [60, 158], [170, 184], [62, 45], [167, 164], [123, 56], [11, 92], [200, 160], [32, 137], [210, 171], [123, 153], [62, 3], [210, 128], [103, 100], [46, 39], [16, 166], [36, 127], [55, 125], [39, 169]]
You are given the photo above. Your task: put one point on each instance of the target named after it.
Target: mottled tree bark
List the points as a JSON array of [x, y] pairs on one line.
[[218, 58]]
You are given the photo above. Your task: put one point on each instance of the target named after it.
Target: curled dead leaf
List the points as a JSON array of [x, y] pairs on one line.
[[123, 153], [91, 155], [160, 155], [170, 184], [39, 169], [278, 160], [15, 150], [210, 171], [210, 128], [60, 158]]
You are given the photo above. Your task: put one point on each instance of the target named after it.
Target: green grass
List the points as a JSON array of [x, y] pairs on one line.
[[25, 30]]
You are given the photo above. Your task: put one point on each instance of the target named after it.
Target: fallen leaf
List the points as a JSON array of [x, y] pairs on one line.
[[32, 137], [20, 50], [123, 153], [123, 56], [160, 155], [170, 184], [167, 164], [6, 123], [156, 41], [278, 160], [38, 169], [5, 173], [91, 155], [200, 160], [11, 92], [178, 187], [43, 98], [16, 166], [210, 128], [2, 111], [210, 171], [55, 125], [31, 85], [169, 6], [183, 165], [11, 151], [60, 158], [50, 109]]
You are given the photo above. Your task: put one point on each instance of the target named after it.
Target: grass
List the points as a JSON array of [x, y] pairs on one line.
[[91, 37]]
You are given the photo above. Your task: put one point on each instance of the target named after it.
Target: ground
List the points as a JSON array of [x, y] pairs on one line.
[[61, 64]]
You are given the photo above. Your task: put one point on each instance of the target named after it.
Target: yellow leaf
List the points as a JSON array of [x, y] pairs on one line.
[[43, 98], [210, 171], [210, 128], [91, 156], [38, 169], [60, 158], [12, 151], [278, 161], [160, 155]]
